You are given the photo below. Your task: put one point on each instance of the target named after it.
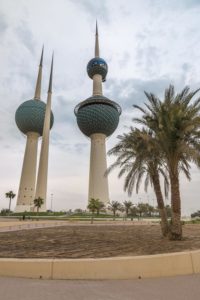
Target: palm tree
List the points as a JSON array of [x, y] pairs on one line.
[[10, 195], [142, 208], [168, 211], [38, 202], [133, 211], [93, 206], [175, 124], [138, 156], [100, 206], [114, 206], [151, 210], [127, 207]]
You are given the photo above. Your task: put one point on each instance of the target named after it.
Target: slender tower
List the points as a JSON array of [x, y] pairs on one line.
[[97, 118], [29, 118], [41, 187]]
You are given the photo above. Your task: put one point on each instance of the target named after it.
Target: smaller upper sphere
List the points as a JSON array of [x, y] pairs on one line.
[[30, 115], [97, 65]]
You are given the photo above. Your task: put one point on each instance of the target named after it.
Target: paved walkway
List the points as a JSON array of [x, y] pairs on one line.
[[16, 225], [24, 225], [174, 288]]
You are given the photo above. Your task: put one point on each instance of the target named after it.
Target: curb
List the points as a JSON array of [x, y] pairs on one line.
[[130, 267]]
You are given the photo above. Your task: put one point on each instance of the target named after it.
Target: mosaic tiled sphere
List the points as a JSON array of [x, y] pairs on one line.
[[97, 114], [29, 116], [97, 65]]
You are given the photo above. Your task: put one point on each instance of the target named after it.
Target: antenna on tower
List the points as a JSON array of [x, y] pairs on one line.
[[39, 78], [96, 41], [51, 75]]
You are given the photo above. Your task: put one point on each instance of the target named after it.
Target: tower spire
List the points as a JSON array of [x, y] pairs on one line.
[[96, 42], [41, 186], [39, 78], [51, 76]]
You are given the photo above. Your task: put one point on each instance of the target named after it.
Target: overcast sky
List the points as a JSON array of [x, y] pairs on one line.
[[148, 44]]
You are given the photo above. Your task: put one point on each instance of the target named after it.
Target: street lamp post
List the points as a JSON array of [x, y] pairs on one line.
[[51, 202]]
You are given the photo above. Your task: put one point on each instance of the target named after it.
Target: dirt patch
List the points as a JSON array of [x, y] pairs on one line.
[[94, 241]]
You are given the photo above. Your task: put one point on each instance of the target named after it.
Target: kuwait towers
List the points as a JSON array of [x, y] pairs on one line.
[[34, 119], [97, 118]]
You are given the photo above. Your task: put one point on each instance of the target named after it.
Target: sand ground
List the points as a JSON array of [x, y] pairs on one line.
[[97, 240]]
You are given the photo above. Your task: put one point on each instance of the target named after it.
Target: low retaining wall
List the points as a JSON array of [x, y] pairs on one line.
[[161, 265]]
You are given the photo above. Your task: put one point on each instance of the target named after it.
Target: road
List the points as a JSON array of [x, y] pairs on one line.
[[175, 288]]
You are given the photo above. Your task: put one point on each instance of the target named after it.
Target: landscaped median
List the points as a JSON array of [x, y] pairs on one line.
[[159, 265]]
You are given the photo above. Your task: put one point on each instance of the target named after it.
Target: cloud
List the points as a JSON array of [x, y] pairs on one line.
[[26, 37], [3, 24], [131, 91], [96, 9]]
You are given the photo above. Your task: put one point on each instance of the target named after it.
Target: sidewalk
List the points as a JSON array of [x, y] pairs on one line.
[[175, 288], [24, 225], [15, 225]]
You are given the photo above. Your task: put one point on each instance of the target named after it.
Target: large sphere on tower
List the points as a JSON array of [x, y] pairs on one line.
[[97, 114], [97, 65], [29, 116]]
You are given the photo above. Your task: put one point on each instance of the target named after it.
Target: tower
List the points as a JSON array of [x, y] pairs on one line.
[[97, 118], [29, 118], [41, 186]]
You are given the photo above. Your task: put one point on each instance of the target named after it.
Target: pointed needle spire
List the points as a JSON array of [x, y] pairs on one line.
[[51, 76], [96, 42], [39, 78]]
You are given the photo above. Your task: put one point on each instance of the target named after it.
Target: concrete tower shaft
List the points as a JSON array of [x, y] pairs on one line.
[[98, 183], [28, 176], [27, 182], [41, 187]]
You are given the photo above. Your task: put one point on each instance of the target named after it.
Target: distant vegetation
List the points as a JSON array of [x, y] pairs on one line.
[[10, 195], [196, 214], [97, 210]]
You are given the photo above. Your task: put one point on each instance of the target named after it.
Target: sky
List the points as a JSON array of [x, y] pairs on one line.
[[148, 44]]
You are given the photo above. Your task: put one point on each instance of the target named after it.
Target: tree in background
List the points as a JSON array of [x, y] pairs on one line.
[[127, 207], [4, 211], [38, 202], [78, 211], [10, 195], [133, 211], [142, 209], [168, 211], [100, 207], [93, 206], [151, 210], [114, 206]]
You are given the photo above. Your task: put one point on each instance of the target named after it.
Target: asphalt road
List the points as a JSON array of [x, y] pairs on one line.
[[174, 288]]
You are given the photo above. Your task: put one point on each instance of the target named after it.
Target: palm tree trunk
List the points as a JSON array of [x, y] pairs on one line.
[[92, 218], [9, 206], [161, 206], [176, 227]]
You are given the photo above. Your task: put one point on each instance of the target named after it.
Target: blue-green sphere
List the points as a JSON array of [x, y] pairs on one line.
[[30, 116], [97, 115], [97, 65]]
